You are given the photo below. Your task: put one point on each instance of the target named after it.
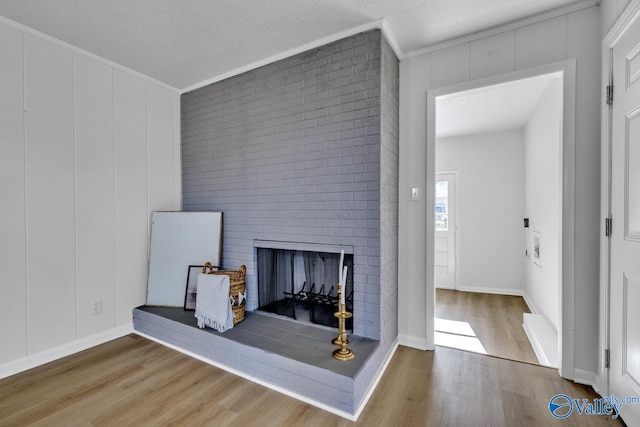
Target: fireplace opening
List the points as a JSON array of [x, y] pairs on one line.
[[302, 285]]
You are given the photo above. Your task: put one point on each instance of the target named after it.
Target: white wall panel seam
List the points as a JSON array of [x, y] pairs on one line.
[[75, 186], [115, 200], [178, 153], [26, 217], [146, 136]]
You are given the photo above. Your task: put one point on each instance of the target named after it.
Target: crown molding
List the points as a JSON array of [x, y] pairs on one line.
[[573, 7], [380, 24], [391, 39], [288, 53]]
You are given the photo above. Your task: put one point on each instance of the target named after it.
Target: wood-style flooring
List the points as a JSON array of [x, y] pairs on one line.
[[496, 320], [133, 381]]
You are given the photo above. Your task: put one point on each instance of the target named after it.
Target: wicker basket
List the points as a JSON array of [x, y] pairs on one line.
[[237, 286]]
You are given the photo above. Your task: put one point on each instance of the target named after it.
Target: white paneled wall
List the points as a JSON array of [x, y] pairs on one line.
[[131, 201], [569, 35], [95, 187], [541, 43], [449, 66], [13, 289], [50, 194], [492, 55], [87, 150], [163, 169]]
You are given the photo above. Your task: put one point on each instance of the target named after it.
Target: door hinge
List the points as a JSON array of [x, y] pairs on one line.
[[607, 227], [607, 358], [609, 95]]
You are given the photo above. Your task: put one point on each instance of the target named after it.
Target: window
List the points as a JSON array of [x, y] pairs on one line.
[[442, 206]]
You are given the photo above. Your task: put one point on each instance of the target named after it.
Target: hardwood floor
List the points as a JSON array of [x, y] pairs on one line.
[[132, 381], [496, 320]]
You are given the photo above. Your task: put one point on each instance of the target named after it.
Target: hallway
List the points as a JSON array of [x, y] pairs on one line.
[[495, 320]]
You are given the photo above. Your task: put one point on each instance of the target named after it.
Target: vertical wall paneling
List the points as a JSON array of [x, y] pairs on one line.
[[130, 96], [492, 55], [13, 302], [608, 15], [450, 65], [541, 43], [580, 39], [76, 154], [556, 39], [94, 194], [161, 137], [414, 78], [50, 183]]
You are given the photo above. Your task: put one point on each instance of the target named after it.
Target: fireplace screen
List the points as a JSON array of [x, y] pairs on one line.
[[303, 285]]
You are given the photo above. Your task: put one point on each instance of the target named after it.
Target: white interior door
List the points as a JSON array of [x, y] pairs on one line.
[[624, 326], [445, 238]]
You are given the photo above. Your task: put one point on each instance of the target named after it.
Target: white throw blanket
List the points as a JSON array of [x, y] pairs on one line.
[[213, 307]]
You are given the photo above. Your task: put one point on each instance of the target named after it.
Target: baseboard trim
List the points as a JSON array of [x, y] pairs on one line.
[[532, 307], [413, 342], [543, 338], [599, 385], [41, 358], [581, 376], [485, 290]]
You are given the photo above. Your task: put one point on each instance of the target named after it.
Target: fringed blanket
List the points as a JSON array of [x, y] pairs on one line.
[[213, 307]]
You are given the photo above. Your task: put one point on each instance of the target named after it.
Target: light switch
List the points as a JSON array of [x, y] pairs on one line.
[[415, 194]]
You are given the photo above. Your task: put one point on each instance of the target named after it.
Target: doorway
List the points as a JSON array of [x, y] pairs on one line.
[[491, 282]]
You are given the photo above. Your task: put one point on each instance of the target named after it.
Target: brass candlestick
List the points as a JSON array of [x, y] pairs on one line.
[[343, 353], [341, 324]]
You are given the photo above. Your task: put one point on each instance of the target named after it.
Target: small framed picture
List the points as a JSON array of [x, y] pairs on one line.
[[191, 292], [536, 249]]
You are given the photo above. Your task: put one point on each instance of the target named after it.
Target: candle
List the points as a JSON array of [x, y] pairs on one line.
[[340, 268], [344, 284]]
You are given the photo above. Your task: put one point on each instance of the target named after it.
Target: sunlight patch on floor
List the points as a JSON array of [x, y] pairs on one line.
[[456, 334]]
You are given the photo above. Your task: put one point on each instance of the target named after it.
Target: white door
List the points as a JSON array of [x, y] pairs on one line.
[[445, 258], [624, 331]]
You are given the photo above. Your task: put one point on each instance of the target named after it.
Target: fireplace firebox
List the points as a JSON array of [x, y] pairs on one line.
[[302, 284]]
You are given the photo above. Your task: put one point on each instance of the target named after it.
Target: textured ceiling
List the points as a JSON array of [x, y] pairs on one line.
[[490, 109], [185, 42]]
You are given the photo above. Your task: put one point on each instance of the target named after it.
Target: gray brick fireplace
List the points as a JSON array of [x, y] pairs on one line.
[[305, 151]]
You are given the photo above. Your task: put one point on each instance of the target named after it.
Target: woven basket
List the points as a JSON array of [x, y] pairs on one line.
[[237, 286]]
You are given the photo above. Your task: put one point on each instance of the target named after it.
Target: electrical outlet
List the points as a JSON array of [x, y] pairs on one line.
[[96, 307]]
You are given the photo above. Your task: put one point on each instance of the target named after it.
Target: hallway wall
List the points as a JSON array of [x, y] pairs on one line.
[[563, 37], [543, 204], [489, 209]]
